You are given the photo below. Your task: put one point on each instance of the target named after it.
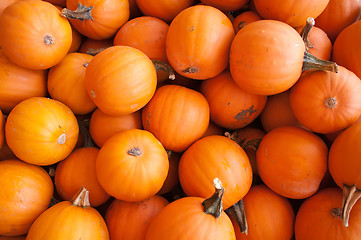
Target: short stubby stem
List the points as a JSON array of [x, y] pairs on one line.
[[330, 102], [48, 40], [135, 152], [81, 13], [62, 138]]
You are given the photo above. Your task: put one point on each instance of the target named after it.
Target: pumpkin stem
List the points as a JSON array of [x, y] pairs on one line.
[[82, 199], [62, 138], [48, 40], [190, 70], [95, 51], [162, 66], [241, 25], [214, 205], [81, 13], [336, 212], [350, 196], [330, 102], [135, 151], [311, 62], [252, 144], [84, 131], [306, 31], [238, 213]]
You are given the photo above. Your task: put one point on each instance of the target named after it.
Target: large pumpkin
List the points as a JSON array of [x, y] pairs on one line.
[[120, 80], [177, 116], [34, 34], [198, 42], [41, 131], [26, 193]]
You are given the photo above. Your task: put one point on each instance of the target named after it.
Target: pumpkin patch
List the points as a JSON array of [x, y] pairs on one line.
[[180, 119]]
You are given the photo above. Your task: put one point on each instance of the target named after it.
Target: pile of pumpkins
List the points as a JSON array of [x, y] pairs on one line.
[[180, 119]]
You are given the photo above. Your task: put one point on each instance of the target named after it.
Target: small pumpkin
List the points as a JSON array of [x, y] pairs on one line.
[[245, 18], [93, 47]]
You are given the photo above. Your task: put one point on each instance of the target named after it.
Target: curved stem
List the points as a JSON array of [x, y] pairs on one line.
[[82, 199], [306, 31], [350, 196], [310, 62], [159, 65], [81, 13], [238, 213], [214, 205]]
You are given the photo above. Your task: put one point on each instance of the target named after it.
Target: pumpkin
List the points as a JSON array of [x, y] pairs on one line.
[[66, 83], [97, 19], [130, 220], [332, 99], [93, 47], [71, 220], [76, 40], [165, 10], [172, 179], [191, 218], [214, 129], [52, 134], [269, 215], [77, 171], [5, 3], [34, 35], [319, 218], [26, 193], [177, 116], [19, 83], [129, 155], [345, 168], [230, 106], [292, 161], [243, 19], [268, 56], [2, 129], [13, 238], [198, 42], [292, 12], [102, 126], [337, 16], [226, 5], [110, 80], [215, 156]]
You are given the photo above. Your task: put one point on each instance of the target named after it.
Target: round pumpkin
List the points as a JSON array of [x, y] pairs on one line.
[[177, 116], [41, 131], [26, 193], [172, 178], [243, 19], [292, 161], [70, 220], [120, 80], [198, 42], [34, 34], [132, 165]]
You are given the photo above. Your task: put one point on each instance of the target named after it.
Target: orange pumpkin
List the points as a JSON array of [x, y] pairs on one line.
[[127, 220], [230, 106], [226, 5], [292, 161], [41, 131], [66, 83], [165, 10], [97, 19], [215, 156], [129, 155], [19, 83], [60, 3], [319, 218], [120, 80], [243, 19], [2, 129], [5, 3], [34, 34], [292, 12], [172, 178], [102, 126], [177, 116], [332, 99], [26, 193], [77, 171], [13, 238], [198, 42], [214, 129], [70, 220], [193, 218], [93, 47]]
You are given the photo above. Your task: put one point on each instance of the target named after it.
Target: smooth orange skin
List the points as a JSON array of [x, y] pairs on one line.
[[102, 126], [33, 128], [245, 18], [214, 129], [67, 221], [23, 26], [107, 17], [26, 193], [117, 170], [292, 12], [342, 161], [172, 178], [2, 129], [226, 5], [292, 161], [199, 37], [314, 220], [66, 83], [19, 83], [211, 157], [77, 171], [337, 16], [322, 45], [269, 215], [184, 219], [308, 95], [120, 80], [127, 220], [230, 106], [5, 3], [266, 57], [165, 10], [177, 116]]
